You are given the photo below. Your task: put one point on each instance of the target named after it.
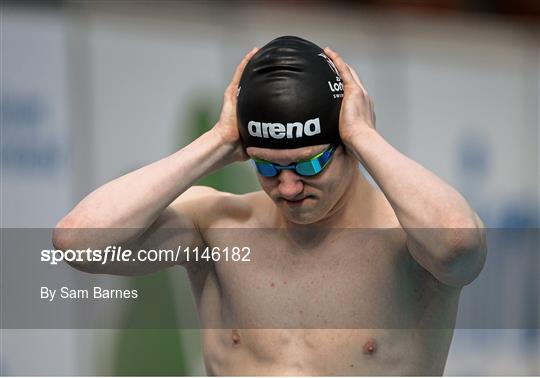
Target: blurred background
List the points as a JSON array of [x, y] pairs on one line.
[[91, 90]]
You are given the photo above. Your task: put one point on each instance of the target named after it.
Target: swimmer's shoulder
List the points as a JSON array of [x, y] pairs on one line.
[[213, 208], [381, 214]]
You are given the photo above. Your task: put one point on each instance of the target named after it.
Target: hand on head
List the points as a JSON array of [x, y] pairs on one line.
[[357, 110], [227, 127], [309, 81]]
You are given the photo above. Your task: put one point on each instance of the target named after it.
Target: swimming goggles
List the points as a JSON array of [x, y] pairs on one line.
[[309, 167]]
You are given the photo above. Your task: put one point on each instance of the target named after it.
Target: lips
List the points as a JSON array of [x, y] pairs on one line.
[[296, 201]]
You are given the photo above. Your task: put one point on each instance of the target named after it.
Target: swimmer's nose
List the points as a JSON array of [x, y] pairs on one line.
[[290, 185]]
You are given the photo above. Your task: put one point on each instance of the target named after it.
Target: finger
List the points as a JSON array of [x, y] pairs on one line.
[[342, 67], [357, 78], [238, 72]]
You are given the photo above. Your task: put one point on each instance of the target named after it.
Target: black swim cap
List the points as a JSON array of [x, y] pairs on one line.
[[289, 96]]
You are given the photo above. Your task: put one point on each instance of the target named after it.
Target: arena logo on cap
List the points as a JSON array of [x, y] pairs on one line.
[[280, 131]]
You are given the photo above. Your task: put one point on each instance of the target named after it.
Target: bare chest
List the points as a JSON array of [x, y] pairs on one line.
[[341, 279]]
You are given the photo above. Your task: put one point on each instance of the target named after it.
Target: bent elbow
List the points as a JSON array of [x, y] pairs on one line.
[[62, 235], [59, 237], [66, 236], [465, 257], [463, 236]]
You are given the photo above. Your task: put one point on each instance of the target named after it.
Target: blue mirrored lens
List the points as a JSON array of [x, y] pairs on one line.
[[266, 169], [309, 168], [303, 168]]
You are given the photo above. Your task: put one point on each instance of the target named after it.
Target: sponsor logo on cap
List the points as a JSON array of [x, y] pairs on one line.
[[280, 131], [335, 87]]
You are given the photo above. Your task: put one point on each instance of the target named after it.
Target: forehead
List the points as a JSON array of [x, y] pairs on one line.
[[288, 155]]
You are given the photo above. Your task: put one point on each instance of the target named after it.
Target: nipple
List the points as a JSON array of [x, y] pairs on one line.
[[370, 346], [235, 336]]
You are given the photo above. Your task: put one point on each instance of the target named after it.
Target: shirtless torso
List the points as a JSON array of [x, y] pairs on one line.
[[338, 302], [344, 278]]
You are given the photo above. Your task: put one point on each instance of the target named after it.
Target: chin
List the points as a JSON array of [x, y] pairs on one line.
[[302, 217]]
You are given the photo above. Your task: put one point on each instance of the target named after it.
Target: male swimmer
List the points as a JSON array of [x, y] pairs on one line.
[[349, 279]]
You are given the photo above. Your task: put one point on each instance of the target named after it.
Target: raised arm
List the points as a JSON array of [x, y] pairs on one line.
[[150, 206], [444, 234]]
